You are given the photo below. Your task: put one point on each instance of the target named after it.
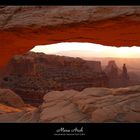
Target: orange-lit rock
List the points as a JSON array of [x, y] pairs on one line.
[[21, 27], [92, 105], [8, 97]]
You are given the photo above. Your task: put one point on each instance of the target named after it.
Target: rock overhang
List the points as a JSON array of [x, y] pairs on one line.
[[23, 27]]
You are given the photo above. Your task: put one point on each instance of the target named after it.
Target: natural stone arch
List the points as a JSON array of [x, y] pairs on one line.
[[22, 28]]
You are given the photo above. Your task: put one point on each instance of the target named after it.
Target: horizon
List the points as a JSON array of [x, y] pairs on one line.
[[88, 50], [86, 57]]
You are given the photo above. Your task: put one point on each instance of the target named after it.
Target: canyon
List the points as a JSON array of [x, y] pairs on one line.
[[23, 27], [34, 79], [32, 75]]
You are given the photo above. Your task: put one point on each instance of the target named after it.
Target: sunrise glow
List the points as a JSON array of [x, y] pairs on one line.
[[88, 50]]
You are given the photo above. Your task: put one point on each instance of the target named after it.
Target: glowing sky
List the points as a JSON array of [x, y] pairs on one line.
[[88, 50]]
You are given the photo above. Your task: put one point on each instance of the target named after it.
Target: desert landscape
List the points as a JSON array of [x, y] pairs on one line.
[[49, 88], [35, 86]]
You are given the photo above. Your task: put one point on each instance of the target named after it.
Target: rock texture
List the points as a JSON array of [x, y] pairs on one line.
[[8, 97], [33, 74], [118, 77], [12, 107], [94, 105], [23, 27], [27, 114]]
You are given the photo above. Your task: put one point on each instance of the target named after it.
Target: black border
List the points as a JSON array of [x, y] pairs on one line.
[[70, 2], [94, 130]]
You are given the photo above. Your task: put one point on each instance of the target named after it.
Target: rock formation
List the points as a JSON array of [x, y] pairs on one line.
[[8, 97], [125, 75], [98, 105], [92, 105], [112, 70], [11, 104], [23, 27], [32, 74], [117, 77]]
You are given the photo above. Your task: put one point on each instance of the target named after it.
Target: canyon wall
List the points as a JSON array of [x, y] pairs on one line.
[[33, 74], [23, 27]]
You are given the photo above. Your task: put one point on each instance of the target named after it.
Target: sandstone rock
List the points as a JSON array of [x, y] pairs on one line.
[[18, 117], [98, 91], [51, 16], [68, 112], [13, 108], [32, 75], [8, 109], [14, 114], [113, 106], [10, 117], [29, 116], [27, 26], [73, 106], [136, 106], [111, 64], [8, 97], [117, 77], [132, 117]]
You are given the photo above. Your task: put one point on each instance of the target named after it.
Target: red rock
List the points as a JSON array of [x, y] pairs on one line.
[[73, 106], [8, 97], [32, 75], [21, 28]]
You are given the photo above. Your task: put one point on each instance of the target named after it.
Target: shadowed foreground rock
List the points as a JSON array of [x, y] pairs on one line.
[[8, 97], [12, 107], [97, 105]]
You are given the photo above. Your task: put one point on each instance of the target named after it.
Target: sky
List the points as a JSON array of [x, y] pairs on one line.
[[88, 50]]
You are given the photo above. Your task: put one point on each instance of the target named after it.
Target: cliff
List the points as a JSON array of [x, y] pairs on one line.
[[33, 74], [117, 76]]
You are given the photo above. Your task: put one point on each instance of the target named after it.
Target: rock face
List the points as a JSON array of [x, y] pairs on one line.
[[23, 27], [117, 77], [108, 68], [95, 105], [8, 97], [26, 114], [92, 105], [12, 107], [33, 74]]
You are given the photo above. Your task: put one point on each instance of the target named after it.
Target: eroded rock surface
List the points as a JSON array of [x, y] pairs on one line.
[[8, 97], [12, 107], [95, 105], [92, 105], [33, 74], [23, 27]]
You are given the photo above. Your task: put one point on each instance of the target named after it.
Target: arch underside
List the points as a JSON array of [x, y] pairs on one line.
[[118, 31]]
